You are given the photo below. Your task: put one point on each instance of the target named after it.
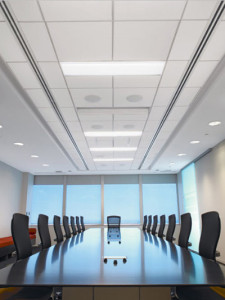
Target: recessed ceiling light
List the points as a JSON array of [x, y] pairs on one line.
[[115, 149], [134, 98], [1, 126], [92, 98], [112, 133], [45, 165], [214, 123], [112, 68], [18, 144], [181, 154], [112, 159], [194, 142], [34, 156]]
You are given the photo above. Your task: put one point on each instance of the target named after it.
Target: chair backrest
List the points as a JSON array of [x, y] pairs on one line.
[[82, 223], [162, 226], [20, 234], [149, 223], [155, 223], [210, 234], [171, 228], [78, 224], [58, 229], [113, 221], [144, 223], [66, 227], [73, 225], [44, 231], [185, 230]]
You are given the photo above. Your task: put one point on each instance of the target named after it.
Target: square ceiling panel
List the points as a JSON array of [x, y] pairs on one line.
[[62, 97], [92, 97], [76, 10], [157, 113], [39, 98], [80, 82], [48, 114], [134, 97], [187, 96], [26, 11], [164, 96], [74, 126], [126, 141], [98, 142], [39, 41], [173, 73], [177, 113], [94, 44], [97, 126], [93, 115], [69, 114], [143, 40], [201, 10], [128, 126], [136, 81], [53, 74]]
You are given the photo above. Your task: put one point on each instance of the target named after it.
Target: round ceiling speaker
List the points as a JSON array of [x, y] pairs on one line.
[[92, 98], [134, 98]]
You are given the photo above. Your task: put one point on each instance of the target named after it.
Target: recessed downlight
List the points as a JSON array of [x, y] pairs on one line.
[[181, 154], [18, 144], [214, 123], [1, 126], [45, 165], [34, 156], [112, 133], [92, 98], [195, 142], [112, 159], [134, 98]]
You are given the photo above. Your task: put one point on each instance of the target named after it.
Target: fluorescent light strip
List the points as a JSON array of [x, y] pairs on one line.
[[115, 149], [112, 68], [112, 133], [112, 159]]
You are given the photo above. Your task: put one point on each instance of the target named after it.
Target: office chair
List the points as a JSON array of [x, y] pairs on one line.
[[162, 226], [171, 228], [144, 223], [82, 223], [20, 234], [149, 223], [44, 231], [207, 248], [185, 230], [66, 227], [155, 223], [113, 221], [74, 230], [58, 229], [78, 224]]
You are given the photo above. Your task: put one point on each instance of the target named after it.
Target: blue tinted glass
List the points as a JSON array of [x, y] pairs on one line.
[[122, 200], [47, 200], [160, 199], [84, 200]]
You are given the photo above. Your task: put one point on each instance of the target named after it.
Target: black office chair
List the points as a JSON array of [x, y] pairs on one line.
[[207, 248], [66, 227], [58, 229], [78, 224], [44, 231], [171, 228], [185, 230], [22, 242], [155, 223], [82, 223], [144, 223], [162, 226], [113, 221], [149, 223], [74, 230]]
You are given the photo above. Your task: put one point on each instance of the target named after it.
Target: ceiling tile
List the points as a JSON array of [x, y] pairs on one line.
[[85, 116], [199, 10], [134, 114], [119, 166], [62, 97], [104, 166], [215, 48], [25, 75], [26, 10], [128, 126], [74, 126], [187, 39], [187, 96], [10, 49], [80, 82], [2, 18], [57, 127], [148, 10], [177, 113], [172, 73], [77, 10], [53, 74], [39, 41], [100, 142], [69, 114], [48, 114], [39, 98], [164, 96], [97, 126], [151, 125], [157, 113], [201, 73], [143, 40], [126, 141], [136, 81], [92, 97], [94, 44], [134, 97]]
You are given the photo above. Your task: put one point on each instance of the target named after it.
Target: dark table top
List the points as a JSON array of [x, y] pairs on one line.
[[78, 261]]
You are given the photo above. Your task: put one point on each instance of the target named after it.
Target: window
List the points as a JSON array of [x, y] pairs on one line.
[[48, 200], [190, 203], [84, 200], [160, 199]]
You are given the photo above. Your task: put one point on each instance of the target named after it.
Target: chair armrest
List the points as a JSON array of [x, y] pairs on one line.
[[174, 239], [217, 253], [55, 240], [189, 244]]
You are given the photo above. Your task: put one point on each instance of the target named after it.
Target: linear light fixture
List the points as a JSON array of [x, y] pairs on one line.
[[112, 68], [112, 133], [115, 149], [112, 159]]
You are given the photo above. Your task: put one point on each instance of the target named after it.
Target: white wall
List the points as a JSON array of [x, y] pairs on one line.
[[10, 195]]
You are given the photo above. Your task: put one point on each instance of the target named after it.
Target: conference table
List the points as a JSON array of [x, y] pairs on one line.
[[124, 258]]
